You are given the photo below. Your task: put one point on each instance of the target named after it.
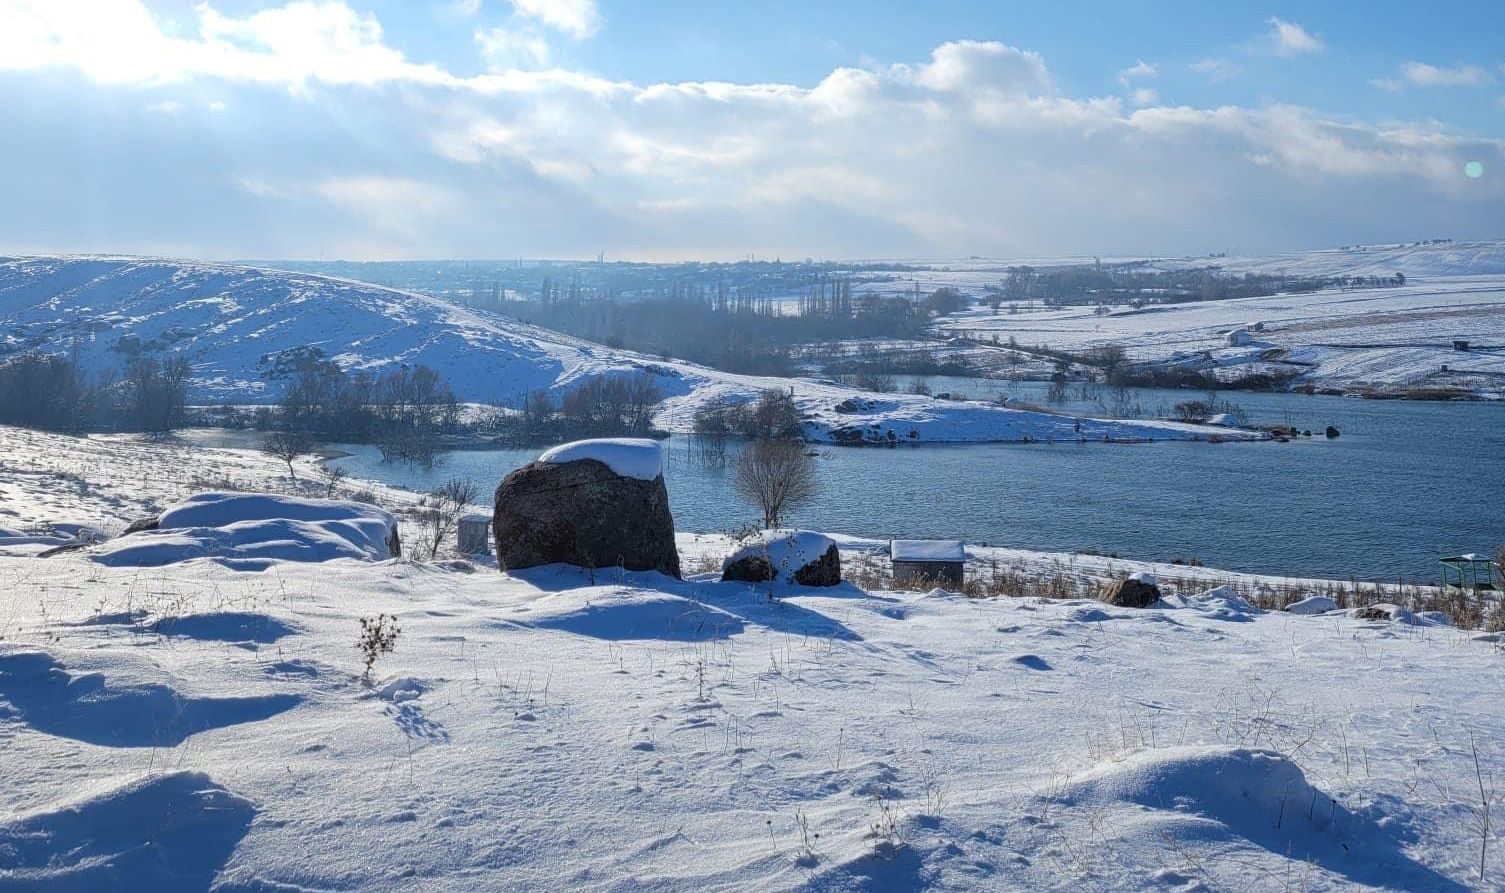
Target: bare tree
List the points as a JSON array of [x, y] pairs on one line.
[[776, 475], [288, 445], [441, 512], [332, 476]]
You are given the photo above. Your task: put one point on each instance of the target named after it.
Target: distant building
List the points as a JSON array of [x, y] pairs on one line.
[[1238, 338], [928, 562], [1460, 344], [474, 534]]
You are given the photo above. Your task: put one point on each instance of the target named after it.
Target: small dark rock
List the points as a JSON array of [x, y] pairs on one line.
[[1138, 591], [755, 567], [823, 571], [1332, 431], [752, 569], [141, 524]]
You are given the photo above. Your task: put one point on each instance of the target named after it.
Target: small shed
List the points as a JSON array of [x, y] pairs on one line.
[[1460, 344], [1238, 338], [1471, 571], [474, 534], [928, 562]]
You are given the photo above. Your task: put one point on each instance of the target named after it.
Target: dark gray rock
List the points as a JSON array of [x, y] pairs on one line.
[[585, 514], [141, 524], [823, 571], [1134, 592], [748, 569]]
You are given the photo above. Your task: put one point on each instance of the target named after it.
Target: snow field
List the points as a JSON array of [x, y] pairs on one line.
[[543, 731], [196, 723]]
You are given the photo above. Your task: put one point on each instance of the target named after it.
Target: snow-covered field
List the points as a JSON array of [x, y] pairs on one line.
[[1387, 340], [193, 727], [227, 319]]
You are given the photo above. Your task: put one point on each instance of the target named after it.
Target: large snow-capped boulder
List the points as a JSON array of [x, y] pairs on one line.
[[1135, 591], [258, 527], [592, 503], [791, 556]]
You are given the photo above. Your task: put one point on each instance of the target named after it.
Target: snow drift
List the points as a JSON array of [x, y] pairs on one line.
[[251, 528]]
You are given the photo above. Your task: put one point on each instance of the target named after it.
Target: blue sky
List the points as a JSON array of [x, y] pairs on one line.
[[671, 129]]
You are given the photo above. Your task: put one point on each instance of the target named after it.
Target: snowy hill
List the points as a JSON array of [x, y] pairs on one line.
[[229, 319]]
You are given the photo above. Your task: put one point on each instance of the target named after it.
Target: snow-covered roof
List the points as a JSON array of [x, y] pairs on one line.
[[927, 550], [630, 457]]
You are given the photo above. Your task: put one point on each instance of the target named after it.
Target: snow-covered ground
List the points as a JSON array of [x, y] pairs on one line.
[[194, 726], [1426, 259], [1386, 339], [229, 319]]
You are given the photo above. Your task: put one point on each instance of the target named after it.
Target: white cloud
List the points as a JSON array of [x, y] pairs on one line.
[[1424, 75], [1140, 69], [1216, 69], [1290, 39], [505, 48], [982, 65], [577, 18], [120, 41], [973, 150], [1389, 85]]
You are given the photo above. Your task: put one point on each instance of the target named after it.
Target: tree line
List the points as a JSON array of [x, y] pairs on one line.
[[718, 328], [1131, 284], [55, 393]]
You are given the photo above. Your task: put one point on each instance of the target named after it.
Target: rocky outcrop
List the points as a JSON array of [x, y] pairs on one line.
[[794, 556], [1136, 591], [581, 512], [140, 524]]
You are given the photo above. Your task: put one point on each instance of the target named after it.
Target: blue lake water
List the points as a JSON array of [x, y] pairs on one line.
[[1406, 483]]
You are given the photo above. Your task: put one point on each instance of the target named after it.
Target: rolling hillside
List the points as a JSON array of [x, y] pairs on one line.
[[231, 320]]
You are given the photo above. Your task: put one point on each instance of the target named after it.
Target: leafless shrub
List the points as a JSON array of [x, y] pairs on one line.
[[439, 513], [367, 496], [332, 477], [1481, 812], [776, 475], [378, 637], [288, 445], [885, 826]]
